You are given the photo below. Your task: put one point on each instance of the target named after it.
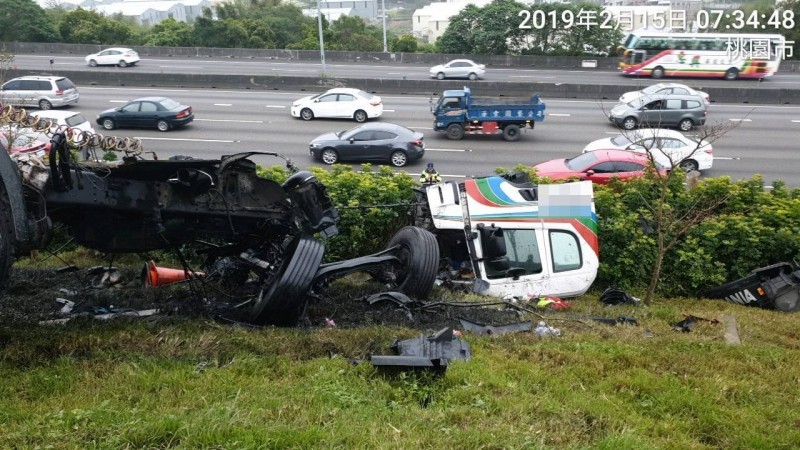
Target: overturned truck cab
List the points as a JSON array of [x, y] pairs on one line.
[[514, 239]]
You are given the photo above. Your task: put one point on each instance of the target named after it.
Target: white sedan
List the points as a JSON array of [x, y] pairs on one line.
[[341, 103], [664, 88], [669, 148], [71, 119], [115, 56], [458, 68]]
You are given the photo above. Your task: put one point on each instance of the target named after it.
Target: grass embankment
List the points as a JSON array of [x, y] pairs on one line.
[[197, 384]]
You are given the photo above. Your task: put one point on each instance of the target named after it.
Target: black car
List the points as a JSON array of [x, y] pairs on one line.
[[371, 142], [147, 112]]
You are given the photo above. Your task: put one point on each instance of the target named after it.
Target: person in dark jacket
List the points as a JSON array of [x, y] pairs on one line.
[[430, 176]]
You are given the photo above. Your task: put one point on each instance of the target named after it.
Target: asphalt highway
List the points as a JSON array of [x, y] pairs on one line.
[[228, 66], [749, 138]]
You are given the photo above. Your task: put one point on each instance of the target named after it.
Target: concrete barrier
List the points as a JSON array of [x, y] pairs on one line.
[[759, 93]]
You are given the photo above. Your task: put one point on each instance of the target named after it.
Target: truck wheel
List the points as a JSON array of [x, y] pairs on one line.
[[284, 293], [418, 253], [6, 238], [455, 132], [511, 133]]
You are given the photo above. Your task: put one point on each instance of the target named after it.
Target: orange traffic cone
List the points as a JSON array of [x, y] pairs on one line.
[[159, 276]]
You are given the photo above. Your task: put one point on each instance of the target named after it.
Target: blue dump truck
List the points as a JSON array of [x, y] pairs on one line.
[[458, 113]]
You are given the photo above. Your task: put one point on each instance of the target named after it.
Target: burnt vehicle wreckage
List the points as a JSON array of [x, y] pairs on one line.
[[500, 236]]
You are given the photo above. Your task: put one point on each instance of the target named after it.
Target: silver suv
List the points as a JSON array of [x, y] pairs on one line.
[[659, 111], [44, 92]]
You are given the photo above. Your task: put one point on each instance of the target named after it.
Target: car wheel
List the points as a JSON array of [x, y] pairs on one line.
[[455, 132], [280, 301], [109, 124], [418, 254], [162, 125], [6, 238], [511, 133], [657, 73], [473, 77], [629, 123], [306, 114], [440, 76], [689, 165], [92, 63], [329, 156], [731, 74], [122, 63], [45, 105], [399, 158], [686, 125], [360, 116]]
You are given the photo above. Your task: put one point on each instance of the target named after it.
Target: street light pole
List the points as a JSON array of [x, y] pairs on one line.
[[321, 41], [383, 8]]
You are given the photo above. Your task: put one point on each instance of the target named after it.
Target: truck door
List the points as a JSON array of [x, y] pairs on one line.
[[570, 273], [522, 273]]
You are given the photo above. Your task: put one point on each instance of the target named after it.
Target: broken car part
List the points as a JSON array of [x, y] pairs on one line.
[[494, 330], [771, 287], [431, 352]]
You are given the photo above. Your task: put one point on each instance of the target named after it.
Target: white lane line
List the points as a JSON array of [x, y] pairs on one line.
[[180, 139], [446, 150], [726, 158], [228, 120], [559, 115], [394, 73], [276, 106], [181, 67], [223, 104], [529, 76], [740, 120], [117, 101], [795, 121], [421, 128], [388, 110]]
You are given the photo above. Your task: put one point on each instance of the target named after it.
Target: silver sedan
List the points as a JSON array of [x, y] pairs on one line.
[[458, 68]]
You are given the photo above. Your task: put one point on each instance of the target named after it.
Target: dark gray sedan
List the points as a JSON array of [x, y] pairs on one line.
[[148, 112], [371, 142]]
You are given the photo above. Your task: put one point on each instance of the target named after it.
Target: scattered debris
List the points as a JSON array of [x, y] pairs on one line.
[[69, 268], [490, 330], [731, 331], [613, 321], [615, 296], [554, 303], [155, 276], [432, 352], [67, 308], [330, 323], [542, 329], [771, 287], [101, 313], [104, 277], [687, 324]]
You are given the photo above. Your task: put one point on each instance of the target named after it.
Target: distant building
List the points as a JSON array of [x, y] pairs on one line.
[[330, 14], [366, 9], [144, 12], [429, 22]]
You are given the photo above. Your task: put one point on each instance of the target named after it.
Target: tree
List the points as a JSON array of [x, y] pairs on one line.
[[405, 43], [459, 38], [791, 33], [88, 27], [353, 34], [25, 21], [169, 33]]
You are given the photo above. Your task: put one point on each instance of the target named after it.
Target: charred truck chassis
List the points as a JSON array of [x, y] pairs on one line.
[[222, 206]]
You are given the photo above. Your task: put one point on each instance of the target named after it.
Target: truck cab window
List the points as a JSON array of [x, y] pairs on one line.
[[522, 251], [566, 251]]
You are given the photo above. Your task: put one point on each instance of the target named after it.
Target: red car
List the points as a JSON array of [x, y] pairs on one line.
[[22, 142], [598, 166]]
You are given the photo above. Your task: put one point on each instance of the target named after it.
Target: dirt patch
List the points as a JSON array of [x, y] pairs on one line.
[[32, 297]]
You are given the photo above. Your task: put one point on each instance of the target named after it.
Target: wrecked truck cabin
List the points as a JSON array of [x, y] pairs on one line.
[[503, 238]]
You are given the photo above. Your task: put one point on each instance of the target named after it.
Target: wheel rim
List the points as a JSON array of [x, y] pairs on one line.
[[731, 74], [688, 166], [93, 63], [440, 76], [123, 64], [686, 125], [45, 105], [108, 124], [658, 72], [329, 157], [399, 159], [454, 132], [629, 124], [163, 126], [307, 114], [360, 116], [473, 77]]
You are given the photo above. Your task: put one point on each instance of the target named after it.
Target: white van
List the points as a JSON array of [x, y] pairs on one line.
[[43, 92]]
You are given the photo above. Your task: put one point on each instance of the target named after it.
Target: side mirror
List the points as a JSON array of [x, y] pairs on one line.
[[316, 100], [589, 173], [492, 241], [352, 140], [636, 148]]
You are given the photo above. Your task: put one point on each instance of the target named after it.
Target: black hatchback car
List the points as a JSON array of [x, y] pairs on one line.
[[371, 142], [148, 112]]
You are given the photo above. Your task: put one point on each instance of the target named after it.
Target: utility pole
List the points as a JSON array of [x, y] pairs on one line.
[[321, 41], [383, 16]]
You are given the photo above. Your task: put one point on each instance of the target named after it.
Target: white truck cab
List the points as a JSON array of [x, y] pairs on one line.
[[516, 240]]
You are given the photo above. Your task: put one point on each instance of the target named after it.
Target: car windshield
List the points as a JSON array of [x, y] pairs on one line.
[[620, 141], [169, 103], [581, 161], [74, 121], [638, 102], [350, 132]]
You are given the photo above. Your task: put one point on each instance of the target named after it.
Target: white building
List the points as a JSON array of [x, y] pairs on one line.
[[330, 14], [429, 22], [153, 12], [366, 9]]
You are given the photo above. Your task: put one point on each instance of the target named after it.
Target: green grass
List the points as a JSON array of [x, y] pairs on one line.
[[136, 384]]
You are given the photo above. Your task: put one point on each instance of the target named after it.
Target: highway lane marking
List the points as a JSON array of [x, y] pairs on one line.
[[726, 158], [559, 115], [458, 150], [395, 73], [181, 67], [228, 120], [388, 110], [740, 120], [528, 76], [422, 128], [223, 104], [795, 121], [183, 139], [276, 106], [117, 101]]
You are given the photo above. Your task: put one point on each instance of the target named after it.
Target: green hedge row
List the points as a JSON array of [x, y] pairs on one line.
[[744, 226]]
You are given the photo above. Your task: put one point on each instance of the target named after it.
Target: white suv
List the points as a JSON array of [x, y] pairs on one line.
[[44, 92]]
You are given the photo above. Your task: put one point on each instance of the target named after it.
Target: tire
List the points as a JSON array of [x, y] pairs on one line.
[[629, 123], [109, 124], [689, 165], [440, 76], [399, 158], [686, 125], [281, 301], [162, 125], [44, 105], [6, 238], [92, 63], [419, 259], [306, 114], [122, 63], [657, 73], [473, 77], [455, 132], [732, 74], [360, 116], [329, 156], [511, 133]]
